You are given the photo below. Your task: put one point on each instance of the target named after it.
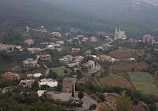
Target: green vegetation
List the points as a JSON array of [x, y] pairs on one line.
[[61, 72], [18, 102], [143, 82], [123, 103], [93, 107], [122, 74]]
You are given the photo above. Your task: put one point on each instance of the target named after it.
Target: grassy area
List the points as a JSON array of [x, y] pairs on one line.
[[61, 71], [121, 74], [143, 82]]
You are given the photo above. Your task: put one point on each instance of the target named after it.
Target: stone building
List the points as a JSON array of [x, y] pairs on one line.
[[148, 39], [119, 34], [69, 85]]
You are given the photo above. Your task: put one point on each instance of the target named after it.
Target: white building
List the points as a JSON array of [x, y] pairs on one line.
[[48, 82], [119, 34], [40, 92]]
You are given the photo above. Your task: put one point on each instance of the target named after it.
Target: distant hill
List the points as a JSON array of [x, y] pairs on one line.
[[132, 16]]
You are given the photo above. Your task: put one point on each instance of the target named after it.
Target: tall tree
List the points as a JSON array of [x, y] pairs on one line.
[[123, 102], [80, 95]]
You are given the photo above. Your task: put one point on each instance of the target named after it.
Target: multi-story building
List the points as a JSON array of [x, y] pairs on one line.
[[69, 85], [148, 39], [119, 34]]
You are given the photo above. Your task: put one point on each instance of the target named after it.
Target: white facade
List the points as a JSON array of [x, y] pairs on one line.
[[48, 82], [119, 34]]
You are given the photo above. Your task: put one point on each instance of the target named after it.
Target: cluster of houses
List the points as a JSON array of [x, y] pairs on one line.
[[64, 95], [103, 47]]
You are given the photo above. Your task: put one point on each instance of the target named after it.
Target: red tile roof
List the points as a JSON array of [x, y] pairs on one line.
[[28, 40]]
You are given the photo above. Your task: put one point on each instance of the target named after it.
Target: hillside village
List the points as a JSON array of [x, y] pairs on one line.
[[81, 70]]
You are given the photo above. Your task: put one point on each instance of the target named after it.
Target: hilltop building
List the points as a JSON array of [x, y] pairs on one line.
[[120, 34], [148, 39]]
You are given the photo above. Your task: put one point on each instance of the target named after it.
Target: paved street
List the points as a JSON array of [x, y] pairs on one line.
[[87, 101]]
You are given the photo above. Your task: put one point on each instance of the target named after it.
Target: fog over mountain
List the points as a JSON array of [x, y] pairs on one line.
[[104, 14]]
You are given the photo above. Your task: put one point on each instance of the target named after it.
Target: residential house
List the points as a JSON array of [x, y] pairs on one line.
[[34, 50], [100, 48], [78, 58], [93, 39], [27, 83], [90, 65], [75, 50], [46, 57], [56, 34], [10, 76], [35, 75], [7, 47], [66, 59], [79, 36], [60, 42], [29, 41], [30, 63], [107, 58], [48, 82]]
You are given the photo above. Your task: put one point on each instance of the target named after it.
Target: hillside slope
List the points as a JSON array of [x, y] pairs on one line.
[[97, 15]]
